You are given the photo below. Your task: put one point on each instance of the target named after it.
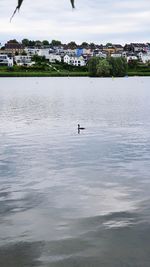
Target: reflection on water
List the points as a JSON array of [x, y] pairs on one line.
[[69, 199]]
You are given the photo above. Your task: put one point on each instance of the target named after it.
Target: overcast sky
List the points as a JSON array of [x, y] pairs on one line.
[[100, 21]]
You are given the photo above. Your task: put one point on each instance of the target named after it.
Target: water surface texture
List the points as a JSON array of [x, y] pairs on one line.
[[69, 199]]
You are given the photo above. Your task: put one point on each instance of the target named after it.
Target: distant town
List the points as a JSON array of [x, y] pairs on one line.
[[21, 53], [44, 58]]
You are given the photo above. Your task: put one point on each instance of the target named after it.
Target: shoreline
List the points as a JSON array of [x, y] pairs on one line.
[[41, 74], [71, 74]]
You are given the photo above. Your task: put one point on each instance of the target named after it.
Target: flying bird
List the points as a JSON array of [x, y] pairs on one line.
[[21, 1], [72, 3], [17, 8]]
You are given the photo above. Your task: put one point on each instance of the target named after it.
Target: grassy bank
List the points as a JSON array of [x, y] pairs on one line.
[[138, 73], [43, 70], [139, 70], [72, 72], [43, 74]]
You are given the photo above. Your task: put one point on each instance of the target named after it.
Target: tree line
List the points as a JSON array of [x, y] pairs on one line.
[[71, 45]]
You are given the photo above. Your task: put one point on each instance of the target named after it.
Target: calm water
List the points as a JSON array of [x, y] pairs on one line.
[[69, 199]]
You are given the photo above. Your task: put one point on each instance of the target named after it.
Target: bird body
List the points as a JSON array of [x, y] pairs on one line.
[[80, 128]]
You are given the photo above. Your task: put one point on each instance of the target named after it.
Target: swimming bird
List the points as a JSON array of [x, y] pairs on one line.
[[80, 128], [21, 1]]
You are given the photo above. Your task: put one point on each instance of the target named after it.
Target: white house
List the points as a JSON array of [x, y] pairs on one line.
[[132, 57], [144, 57], [22, 60], [53, 58], [6, 61], [75, 61], [101, 54], [44, 52], [116, 55]]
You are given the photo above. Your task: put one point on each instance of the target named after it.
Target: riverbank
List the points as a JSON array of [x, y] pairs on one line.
[[43, 74], [70, 74], [140, 73], [64, 73]]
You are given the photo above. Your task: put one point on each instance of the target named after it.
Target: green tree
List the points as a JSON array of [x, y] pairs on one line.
[[45, 42], [55, 43], [103, 68], [92, 66], [25, 42], [124, 66], [133, 63], [31, 43], [92, 46], [39, 59], [72, 45], [85, 45], [118, 66], [109, 44], [38, 43]]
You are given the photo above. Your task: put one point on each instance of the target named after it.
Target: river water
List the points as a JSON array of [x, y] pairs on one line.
[[69, 199]]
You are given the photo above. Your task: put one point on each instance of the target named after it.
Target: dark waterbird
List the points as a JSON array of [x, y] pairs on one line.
[[80, 128], [21, 1]]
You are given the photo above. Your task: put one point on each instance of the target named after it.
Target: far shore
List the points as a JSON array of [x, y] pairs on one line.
[[63, 74], [43, 74]]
